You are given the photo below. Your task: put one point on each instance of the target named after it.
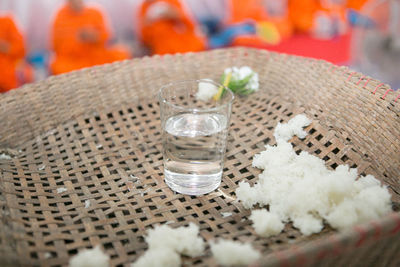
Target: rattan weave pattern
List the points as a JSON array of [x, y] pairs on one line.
[[96, 133]]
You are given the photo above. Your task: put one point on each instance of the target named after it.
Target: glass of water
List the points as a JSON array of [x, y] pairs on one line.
[[194, 133]]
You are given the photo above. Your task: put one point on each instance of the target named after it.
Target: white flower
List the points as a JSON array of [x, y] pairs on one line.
[[243, 80], [206, 90]]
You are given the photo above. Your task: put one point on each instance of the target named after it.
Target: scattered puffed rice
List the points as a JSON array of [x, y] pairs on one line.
[[228, 253], [265, 223], [41, 168], [166, 243], [294, 127], [61, 190], [134, 178], [5, 156], [184, 240], [51, 132], [90, 258], [226, 214], [247, 195]]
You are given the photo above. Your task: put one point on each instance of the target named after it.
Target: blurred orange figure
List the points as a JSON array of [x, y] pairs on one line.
[[79, 37], [322, 18], [241, 11], [356, 4], [302, 13], [272, 13], [12, 52], [166, 26]]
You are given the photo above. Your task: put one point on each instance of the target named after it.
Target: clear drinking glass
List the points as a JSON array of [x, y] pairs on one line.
[[194, 136]]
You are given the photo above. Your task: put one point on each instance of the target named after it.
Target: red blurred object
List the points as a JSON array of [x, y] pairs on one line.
[[336, 50]]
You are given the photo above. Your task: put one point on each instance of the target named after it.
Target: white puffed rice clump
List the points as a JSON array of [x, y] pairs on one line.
[[90, 258], [300, 189], [266, 223], [183, 240], [166, 244], [231, 253]]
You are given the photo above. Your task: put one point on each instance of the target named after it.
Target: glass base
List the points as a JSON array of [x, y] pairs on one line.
[[192, 184]]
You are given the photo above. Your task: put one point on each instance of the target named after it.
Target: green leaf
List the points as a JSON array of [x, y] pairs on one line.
[[239, 86]]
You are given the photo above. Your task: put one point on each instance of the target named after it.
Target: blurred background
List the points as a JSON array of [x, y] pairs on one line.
[[39, 38]]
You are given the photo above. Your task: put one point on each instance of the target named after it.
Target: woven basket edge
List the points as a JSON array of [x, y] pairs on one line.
[[335, 243]]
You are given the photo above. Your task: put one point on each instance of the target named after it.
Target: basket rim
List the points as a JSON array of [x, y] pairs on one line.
[[378, 90], [338, 242]]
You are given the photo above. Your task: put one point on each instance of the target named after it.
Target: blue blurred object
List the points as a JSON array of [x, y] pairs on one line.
[[39, 61], [210, 25], [220, 36], [38, 58], [357, 19], [226, 36]]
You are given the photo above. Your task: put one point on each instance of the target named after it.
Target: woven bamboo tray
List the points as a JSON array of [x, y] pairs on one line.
[[92, 130]]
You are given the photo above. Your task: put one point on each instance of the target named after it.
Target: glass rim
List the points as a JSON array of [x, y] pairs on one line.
[[163, 100]]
